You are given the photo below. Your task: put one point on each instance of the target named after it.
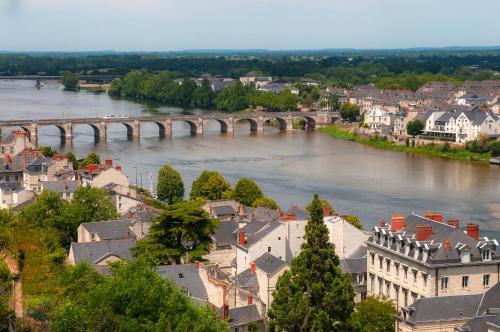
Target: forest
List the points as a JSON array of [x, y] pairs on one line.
[[388, 70]]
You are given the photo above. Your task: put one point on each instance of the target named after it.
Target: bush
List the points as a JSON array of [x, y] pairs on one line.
[[494, 147]]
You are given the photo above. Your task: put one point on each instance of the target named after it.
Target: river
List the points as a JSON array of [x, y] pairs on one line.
[[289, 167]]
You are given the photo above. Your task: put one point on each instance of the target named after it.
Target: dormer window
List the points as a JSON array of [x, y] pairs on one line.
[[486, 254], [465, 256]]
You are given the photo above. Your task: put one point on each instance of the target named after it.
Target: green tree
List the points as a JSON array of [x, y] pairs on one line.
[[415, 127], [354, 220], [494, 147], [325, 205], [72, 158], [70, 81], [47, 151], [170, 187], [233, 99], [210, 185], [375, 314], [203, 96], [78, 279], [247, 191], [349, 112], [313, 295], [88, 205], [46, 211], [183, 229], [134, 298], [91, 159], [115, 89], [132, 84], [265, 201]]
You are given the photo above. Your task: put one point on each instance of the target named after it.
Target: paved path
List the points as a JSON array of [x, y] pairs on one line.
[[18, 292]]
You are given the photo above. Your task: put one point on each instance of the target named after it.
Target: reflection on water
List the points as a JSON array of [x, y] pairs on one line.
[[288, 166]]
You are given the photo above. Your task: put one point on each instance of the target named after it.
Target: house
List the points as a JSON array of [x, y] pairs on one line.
[[257, 283], [451, 313], [259, 81], [346, 238], [198, 281], [245, 318], [422, 257], [13, 194], [278, 88], [65, 189], [355, 266], [123, 197], [105, 230], [379, 121], [100, 253], [15, 143], [98, 176]]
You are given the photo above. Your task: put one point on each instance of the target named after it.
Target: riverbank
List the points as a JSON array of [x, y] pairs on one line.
[[433, 150]]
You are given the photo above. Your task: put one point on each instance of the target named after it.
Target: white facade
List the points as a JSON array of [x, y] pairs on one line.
[[11, 197], [344, 236], [379, 120]]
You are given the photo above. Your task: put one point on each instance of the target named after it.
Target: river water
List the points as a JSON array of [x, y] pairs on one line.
[[289, 167]]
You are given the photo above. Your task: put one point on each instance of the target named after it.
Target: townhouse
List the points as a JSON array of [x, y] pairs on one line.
[[418, 257]]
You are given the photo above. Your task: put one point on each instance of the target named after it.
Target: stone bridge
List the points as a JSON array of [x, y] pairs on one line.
[[283, 120]]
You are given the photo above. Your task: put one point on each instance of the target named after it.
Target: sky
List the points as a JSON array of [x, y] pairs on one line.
[[167, 25]]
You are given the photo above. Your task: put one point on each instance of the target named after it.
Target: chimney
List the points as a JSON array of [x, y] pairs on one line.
[[434, 216], [118, 168], [398, 223], [252, 267], [447, 245], [242, 238], [473, 231], [108, 163], [423, 232], [8, 159], [381, 223], [250, 299], [454, 223], [326, 211], [225, 312]]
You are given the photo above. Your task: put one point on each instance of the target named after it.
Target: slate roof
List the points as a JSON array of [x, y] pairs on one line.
[[224, 234], [186, 276], [269, 264], [243, 315], [353, 265], [459, 307], [110, 230], [262, 214], [255, 231], [140, 212], [443, 308], [441, 232], [225, 210], [94, 252], [247, 280], [479, 323], [60, 186], [10, 185]]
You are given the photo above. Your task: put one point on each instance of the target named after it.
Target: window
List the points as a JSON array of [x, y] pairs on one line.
[[486, 280], [268, 249], [424, 278], [381, 261], [373, 259], [388, 289], [405, 292], [380, 286], [388, 265], [279, 238], [363, 296], [405, 272], [465, 281], [415, 272], [486, 255], [372, 283], [397, 269], [181, 276], [444, 283]]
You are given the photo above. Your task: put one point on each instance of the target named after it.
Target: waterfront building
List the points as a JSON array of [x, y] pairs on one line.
[[418, 257]]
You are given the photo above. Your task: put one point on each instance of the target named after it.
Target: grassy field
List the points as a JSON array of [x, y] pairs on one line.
[[434, 150]]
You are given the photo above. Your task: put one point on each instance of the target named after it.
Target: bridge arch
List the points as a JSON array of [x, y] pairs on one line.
[[61, 128], [193, 127], [306, 122], [98, 130], [253, 123], [224, 124], [282, 123]]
